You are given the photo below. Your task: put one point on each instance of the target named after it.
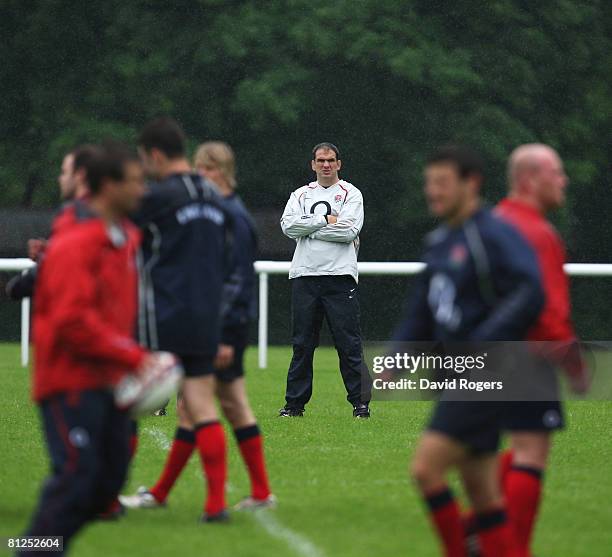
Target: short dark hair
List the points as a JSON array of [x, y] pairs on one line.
[[108, 162], [82, 155], [467, 160], [165, 134], [327, 146]]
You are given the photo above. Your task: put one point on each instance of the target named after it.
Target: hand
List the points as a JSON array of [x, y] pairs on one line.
[[581, 384], [225, 356], [576, 368], [579, 378], [147, 362], [332, 219], [387, 375], [36, 248]]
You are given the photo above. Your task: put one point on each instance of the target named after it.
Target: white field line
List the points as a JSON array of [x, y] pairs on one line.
[[160, 438], [299, 543]]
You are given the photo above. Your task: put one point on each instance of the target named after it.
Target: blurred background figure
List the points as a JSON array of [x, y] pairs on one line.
[[85, 314], [537, 184]]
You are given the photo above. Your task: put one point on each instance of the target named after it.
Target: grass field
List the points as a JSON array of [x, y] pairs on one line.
[[341, 483]]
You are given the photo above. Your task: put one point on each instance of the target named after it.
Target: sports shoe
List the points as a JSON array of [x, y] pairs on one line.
[[221, 516], [291, 412], [361, 410], [161, 412], [251, 504], [115, 511], [143, 499]]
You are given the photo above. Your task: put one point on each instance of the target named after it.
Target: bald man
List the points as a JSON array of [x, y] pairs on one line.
[[537, 185]]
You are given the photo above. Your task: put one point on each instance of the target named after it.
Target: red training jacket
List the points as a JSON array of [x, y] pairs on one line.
[[554, 322], [85, 308]]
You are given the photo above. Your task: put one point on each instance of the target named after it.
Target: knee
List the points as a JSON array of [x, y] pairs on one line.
[[424, 474], [531, 450], [229, 406], [183, 415], [303, 347]]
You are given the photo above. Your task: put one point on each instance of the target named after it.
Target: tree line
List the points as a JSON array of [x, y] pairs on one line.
[[384, 80]]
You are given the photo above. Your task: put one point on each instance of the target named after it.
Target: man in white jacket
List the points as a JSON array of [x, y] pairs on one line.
[[325, 218]]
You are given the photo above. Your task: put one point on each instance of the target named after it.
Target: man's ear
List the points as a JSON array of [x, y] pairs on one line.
[[471, 183], [313, 166], [157, 155], [339, 162], [80, 174]]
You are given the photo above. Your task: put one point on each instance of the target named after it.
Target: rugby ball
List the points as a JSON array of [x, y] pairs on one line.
[[144, 392]]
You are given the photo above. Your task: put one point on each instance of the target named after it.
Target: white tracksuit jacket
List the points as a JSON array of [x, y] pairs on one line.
[[324, 249]]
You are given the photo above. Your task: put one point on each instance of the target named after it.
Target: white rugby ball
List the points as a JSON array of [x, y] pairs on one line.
[[143, 393]]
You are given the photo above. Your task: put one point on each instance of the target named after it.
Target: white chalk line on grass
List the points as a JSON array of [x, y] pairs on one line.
[[160, 438], [296, 541], [270, 523]]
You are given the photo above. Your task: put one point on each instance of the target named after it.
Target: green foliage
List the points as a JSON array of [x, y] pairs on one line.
[[385, 80]]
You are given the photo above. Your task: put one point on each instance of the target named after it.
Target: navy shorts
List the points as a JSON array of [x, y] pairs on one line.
[[537, 415], [197, 365], [476, 425], [237, 337], [533, 416]]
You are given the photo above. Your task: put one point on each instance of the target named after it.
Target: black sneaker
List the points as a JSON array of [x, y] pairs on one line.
[[290, 412], [114, 512], [221, 516], [361, 410]]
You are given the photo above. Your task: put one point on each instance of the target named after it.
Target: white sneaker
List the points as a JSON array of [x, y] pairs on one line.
[[143, 499], [250, 504]]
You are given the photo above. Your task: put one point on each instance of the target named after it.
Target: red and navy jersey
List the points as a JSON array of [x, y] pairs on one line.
[[554, 323], [183, 265], [481, 283], [85, 306]]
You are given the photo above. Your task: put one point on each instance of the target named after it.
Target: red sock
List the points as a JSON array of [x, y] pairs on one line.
[[447, 521], [523, 489], [250, 442], [210, 439], [495, 534], [505, 463], [468, 522], [180, 452], [133, 445]]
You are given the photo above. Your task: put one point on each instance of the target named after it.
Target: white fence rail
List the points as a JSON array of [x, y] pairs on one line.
[[266, 268]]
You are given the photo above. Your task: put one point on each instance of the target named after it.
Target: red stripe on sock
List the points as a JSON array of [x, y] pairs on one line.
[[447, 522], [133, 445], [210, 440], [179, 455], [497, 541], [523, 494], [253, 456], [505, 464]]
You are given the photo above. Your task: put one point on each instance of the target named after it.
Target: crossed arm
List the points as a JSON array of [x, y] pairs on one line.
[[343, 228]]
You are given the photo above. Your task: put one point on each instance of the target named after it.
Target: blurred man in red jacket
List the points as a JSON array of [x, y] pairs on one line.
[[85, 310], [537, 183]]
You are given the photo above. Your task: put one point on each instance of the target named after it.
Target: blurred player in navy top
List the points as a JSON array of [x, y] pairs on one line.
[[185, 259], [84, 316], [215, 161], [537, 184], [481, 283]]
